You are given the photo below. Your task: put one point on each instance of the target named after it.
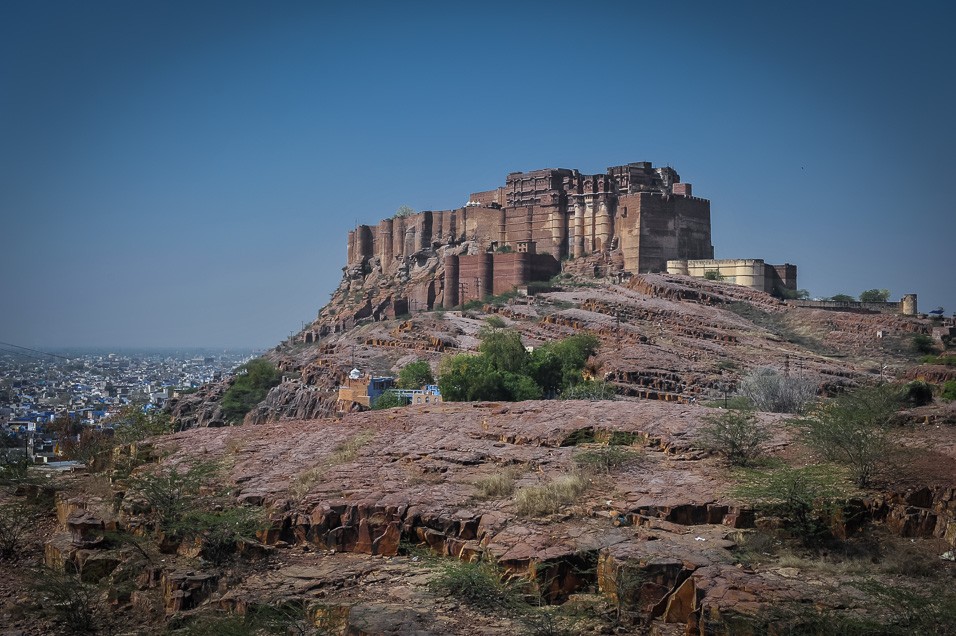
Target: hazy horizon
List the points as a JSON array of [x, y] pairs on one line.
[[182, 174]]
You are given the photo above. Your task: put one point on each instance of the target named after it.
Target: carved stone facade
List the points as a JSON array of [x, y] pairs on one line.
[[647, 213]]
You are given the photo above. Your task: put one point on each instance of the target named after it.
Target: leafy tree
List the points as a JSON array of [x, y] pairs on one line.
[[713, 274], [64, 428], [252, 382], [854, 429], [415, 375], [455, 376], [404, 210], [558, 364], [520, 387], [875, 296], [503, 350], [843, 298], [737, 434]]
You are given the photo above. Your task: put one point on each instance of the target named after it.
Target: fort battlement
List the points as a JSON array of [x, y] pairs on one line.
[[647, 213]]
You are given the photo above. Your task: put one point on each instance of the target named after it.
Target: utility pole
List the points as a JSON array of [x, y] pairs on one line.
[[617, 316], [879, 336]]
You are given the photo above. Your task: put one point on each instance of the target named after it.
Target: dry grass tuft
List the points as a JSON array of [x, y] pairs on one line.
[[344, 452], [497, 486], [549, 498]]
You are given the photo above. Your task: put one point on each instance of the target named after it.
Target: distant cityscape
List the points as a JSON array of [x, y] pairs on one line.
[[88, 386]]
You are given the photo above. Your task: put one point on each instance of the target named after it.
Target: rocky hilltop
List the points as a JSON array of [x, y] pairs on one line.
[[663, 337]]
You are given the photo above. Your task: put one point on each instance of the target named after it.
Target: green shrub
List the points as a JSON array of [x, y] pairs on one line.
[[173, 491], [949, 390], [466, 378], [923, 344], [503, 350], [606, 459], [188, 502], [805, 498], [918, 393], [590, 390], [557, 365], [133, 425], [790, 294], [250, 386], [17, 524], [713, 274], [220, 531], [842, 298], [798, 619], [76, 606], [948, 361], [388, 400], [504, 370], [480, 585], [14, 468], [772, 391], [736, 434], [914, 611], [287, 619]]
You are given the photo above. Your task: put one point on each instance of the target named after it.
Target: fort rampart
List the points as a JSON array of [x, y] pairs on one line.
[[645, 212]]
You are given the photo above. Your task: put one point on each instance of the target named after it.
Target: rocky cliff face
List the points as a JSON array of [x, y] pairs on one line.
[[658, 544]]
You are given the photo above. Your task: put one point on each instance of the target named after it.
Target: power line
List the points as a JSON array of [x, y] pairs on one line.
[[10, 344], [13, 352]]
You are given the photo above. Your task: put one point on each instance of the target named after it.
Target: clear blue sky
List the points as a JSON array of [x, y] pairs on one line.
[[184, 173]]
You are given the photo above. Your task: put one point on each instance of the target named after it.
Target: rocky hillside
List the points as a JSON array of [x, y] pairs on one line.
[[662, 337]]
